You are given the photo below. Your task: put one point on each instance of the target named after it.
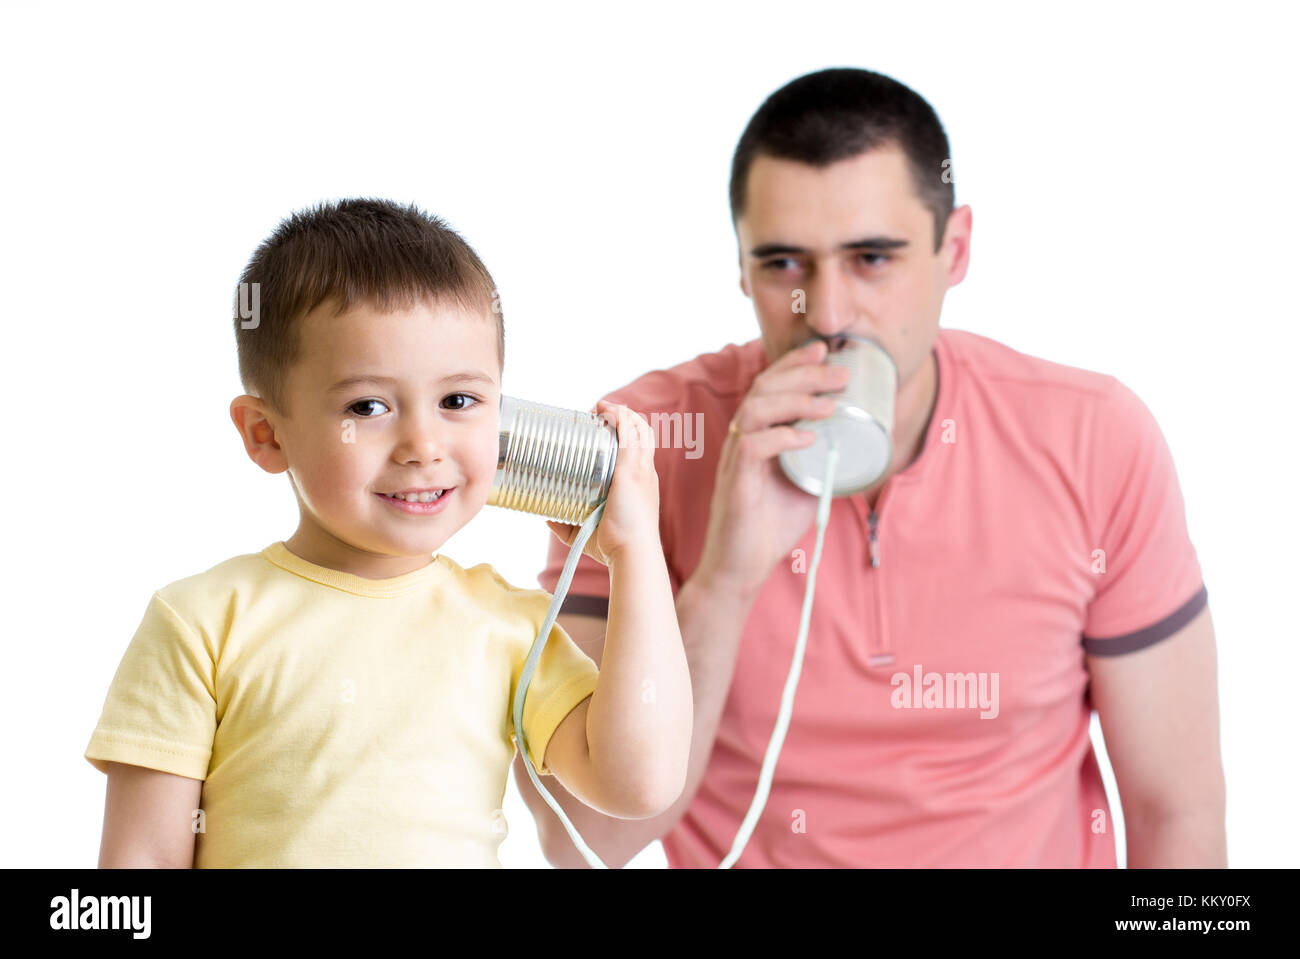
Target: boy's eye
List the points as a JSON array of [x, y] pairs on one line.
[[465, 401], [463, 396], [353, 407]]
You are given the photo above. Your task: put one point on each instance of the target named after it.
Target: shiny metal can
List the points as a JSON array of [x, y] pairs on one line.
[[862, 424], [551, 461]]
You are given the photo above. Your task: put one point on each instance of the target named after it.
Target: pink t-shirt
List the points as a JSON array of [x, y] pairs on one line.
[[942, 713]]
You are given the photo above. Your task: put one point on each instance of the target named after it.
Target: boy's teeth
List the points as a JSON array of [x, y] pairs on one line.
[[418, 497]]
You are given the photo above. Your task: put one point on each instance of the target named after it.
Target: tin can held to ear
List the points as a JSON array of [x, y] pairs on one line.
[[551, 461], [863, 422]]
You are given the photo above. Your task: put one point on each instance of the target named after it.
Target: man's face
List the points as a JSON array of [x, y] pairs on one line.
[[853, 246], [433, 425]]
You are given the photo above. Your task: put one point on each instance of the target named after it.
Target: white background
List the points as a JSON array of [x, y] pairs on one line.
[[1130, 169]]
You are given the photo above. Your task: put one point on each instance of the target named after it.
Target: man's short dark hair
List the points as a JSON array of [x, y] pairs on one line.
[[351, 251], [836, 114]]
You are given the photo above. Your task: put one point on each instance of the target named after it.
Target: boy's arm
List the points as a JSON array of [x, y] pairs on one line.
[[148, 817], [624, 750], [711, 619]]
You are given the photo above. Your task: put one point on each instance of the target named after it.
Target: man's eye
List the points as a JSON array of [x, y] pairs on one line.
[[366, 416], [464, 396], [875, 259], [780, 263]]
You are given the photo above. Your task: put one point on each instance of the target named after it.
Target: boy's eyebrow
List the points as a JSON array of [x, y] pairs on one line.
[[866, 243], [465, 376]]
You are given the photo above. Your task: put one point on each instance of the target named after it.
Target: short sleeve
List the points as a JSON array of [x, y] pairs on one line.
[[160, 711], [564, 677], [1149, 582]]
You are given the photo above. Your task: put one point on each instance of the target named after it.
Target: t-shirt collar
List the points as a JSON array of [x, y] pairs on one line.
[[279, 555]]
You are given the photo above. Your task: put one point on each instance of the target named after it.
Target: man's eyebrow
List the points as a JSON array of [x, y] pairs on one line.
[[465, 376], [866, 243]]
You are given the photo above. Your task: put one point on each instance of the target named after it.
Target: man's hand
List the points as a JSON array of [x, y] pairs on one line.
[[757, 516]]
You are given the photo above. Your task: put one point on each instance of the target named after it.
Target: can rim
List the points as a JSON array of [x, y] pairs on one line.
[[862, 338]]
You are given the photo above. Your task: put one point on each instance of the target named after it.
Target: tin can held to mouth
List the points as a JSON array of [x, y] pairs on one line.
[[863, 422], [553, 462]]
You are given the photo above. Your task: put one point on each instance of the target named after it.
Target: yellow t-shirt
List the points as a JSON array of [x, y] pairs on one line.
[[337, 720]]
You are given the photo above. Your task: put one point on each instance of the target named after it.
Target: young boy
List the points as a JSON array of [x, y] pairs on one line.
[[343, 698]]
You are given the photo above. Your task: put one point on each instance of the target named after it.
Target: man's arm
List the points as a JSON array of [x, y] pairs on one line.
[[1159, 711], [711, 619]]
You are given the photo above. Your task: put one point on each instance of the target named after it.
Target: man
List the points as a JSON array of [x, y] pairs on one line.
[[1024, 559]]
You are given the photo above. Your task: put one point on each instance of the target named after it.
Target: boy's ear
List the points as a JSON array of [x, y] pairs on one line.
[[258, 433]]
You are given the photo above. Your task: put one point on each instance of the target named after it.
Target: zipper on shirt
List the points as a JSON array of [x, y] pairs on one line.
[[885, 656]]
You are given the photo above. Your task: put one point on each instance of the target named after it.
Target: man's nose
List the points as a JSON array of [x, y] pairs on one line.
[[831, 309]]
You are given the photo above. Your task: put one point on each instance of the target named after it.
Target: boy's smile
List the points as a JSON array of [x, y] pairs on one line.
[[405, 403]]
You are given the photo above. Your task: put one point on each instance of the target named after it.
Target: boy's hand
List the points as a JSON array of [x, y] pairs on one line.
[[631, 517]]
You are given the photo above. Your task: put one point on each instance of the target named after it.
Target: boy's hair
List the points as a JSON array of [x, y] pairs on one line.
[[349, 251], [836, 114]]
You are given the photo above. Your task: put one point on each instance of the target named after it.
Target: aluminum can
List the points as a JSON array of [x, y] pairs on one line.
[[551, 461], [862, 423]]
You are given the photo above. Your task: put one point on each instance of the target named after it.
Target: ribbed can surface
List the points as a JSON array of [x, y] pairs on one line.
[[551, 461]]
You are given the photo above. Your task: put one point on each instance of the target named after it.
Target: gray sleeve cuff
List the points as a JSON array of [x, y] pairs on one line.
[[1131, 642]]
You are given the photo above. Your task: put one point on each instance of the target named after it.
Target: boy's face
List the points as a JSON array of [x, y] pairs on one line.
[[432, 424]]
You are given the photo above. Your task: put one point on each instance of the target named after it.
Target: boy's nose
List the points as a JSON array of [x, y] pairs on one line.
[[420, 442]]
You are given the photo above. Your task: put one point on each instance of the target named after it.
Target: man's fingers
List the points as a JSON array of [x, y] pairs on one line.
[[814, 352], [804, 378], [764, 444], [760, 412]]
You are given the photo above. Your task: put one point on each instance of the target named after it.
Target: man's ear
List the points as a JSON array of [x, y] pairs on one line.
[[956, 245], [258, 433]]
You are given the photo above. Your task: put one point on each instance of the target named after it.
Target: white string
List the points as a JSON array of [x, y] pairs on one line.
[[787, 696], [526, 676], [796, 667]]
